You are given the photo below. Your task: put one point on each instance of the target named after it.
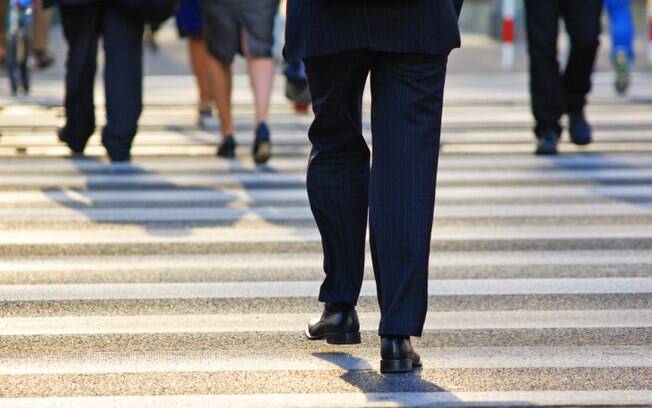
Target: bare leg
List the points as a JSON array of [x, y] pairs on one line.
[[220, 73], [198, 60], [261, 76]]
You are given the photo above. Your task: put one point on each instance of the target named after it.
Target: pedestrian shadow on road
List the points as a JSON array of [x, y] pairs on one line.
[[584, 166], [383, 389], [145, 199]]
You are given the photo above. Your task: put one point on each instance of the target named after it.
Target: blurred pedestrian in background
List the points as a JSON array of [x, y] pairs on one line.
[[554, 91], [84, 22], [41, 35], [245, 27], [622, 41], [404, 47], [4, 5], [189, 25]]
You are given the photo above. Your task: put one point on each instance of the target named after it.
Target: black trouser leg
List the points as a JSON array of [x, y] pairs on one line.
[[582, 20], [81, 25], [123, 80], [338, 172], [546, 85], [407, 99]]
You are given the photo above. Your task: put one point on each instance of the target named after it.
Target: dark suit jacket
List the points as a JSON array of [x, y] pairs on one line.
[[322, 27]]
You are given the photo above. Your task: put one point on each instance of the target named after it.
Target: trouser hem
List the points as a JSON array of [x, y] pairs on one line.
[[335, 298]]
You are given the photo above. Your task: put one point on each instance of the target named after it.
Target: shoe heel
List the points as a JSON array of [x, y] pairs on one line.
[[396, 366], [343, 338], [264, 153]]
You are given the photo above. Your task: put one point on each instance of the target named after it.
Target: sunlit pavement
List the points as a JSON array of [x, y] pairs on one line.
[[185, 280]]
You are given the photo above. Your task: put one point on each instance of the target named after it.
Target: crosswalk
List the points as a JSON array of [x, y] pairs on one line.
[[181, 280]]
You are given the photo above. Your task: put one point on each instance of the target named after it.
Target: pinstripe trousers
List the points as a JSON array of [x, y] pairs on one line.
[[396, 191]]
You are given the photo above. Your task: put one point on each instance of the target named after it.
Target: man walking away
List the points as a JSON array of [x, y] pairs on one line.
[[84, 21], [404, 46], [556, 92]]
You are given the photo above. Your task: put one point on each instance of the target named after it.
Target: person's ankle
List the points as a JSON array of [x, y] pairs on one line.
[[338, 307]]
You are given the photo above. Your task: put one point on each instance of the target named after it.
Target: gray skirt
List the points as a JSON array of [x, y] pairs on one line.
[[226, 20]]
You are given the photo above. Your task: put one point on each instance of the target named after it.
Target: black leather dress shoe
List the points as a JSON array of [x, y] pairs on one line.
[[337, 327], [397, 355], [547, 143], [579, 129], [74, 150]]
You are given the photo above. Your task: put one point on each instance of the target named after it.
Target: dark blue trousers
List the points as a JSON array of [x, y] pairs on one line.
[[122, 35], [557, 91], [396, 190]]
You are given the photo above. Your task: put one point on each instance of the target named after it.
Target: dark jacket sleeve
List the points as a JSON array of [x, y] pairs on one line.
[[458, 7]]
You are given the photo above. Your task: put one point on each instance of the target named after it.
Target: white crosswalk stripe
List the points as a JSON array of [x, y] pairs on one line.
[[222, 290], [290, 322], [183, 280]]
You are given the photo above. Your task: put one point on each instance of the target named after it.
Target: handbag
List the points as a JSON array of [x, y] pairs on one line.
[[155, 11]]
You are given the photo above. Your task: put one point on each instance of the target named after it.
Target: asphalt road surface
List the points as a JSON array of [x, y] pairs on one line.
[[184, 280]]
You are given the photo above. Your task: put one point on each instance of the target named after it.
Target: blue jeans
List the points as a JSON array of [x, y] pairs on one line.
[[622, 27]]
